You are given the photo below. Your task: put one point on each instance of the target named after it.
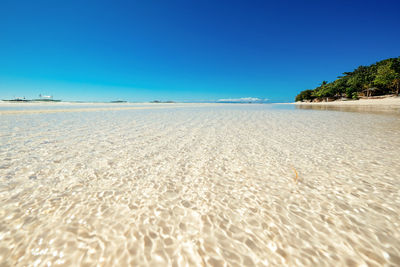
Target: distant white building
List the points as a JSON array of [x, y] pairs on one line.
[[49, 97]]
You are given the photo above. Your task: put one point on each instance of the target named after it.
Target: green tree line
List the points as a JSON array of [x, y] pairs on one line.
[[380, 78]]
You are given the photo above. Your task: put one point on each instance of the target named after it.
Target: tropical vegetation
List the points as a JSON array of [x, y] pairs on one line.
[[381, 78]]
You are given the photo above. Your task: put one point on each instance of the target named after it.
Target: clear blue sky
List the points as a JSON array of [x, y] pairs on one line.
[[188, 50]]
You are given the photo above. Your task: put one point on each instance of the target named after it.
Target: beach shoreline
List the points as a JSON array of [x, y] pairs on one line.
[[388, 102]]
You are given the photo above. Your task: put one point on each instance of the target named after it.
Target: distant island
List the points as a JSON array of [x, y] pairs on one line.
[[158, 101], [373, 81], [42, 98], [17, 99]]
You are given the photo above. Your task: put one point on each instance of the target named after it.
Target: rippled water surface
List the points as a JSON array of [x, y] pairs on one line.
[[236, 185]]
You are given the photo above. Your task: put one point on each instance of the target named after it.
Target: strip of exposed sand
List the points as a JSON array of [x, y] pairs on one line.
[[389, 102], [35, 108], [389, 105]]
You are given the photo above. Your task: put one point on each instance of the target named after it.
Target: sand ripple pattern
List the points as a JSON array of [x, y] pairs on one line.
[[200, 186]]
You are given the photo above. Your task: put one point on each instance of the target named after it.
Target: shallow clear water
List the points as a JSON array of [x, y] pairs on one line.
[[200, 185]]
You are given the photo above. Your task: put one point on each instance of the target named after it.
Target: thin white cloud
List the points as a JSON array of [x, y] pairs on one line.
[[242, 100]]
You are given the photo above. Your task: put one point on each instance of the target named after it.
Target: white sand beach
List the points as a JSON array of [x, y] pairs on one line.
[[389, 102], [199, 185], [389, 105]]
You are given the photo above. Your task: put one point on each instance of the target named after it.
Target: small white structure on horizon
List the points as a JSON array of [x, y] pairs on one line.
[[46, 96]]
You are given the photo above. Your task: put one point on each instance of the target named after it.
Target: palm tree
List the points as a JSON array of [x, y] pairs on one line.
[[396, 84]]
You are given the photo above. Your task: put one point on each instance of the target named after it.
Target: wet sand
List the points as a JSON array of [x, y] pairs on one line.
[[199, 185]]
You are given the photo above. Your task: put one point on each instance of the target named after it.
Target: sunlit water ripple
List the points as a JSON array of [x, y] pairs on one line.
[[200, 185]]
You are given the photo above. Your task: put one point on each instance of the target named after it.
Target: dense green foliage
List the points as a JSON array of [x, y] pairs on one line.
[[380, 78]]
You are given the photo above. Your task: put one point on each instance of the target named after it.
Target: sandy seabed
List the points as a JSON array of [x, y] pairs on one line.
[[199, 185]]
